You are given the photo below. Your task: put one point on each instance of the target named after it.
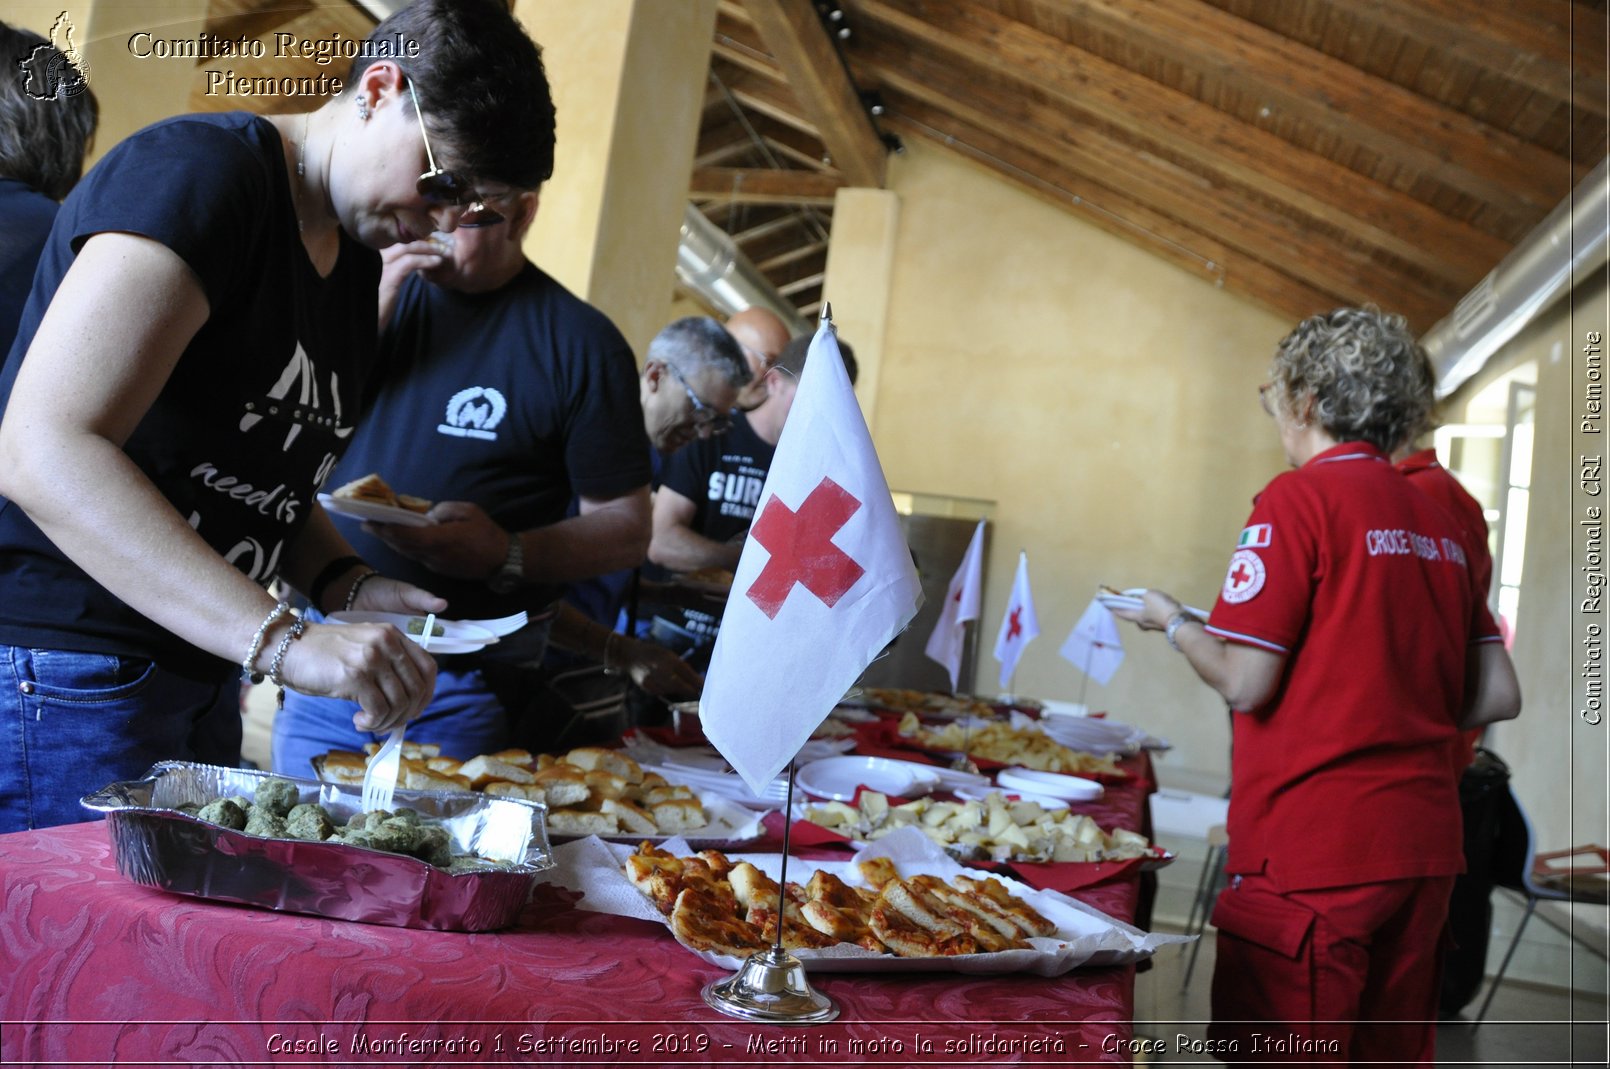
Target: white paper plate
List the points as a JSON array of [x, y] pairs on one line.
[[976, 794], [457, 636], [1054, 784], [357, 509], [836, 778]]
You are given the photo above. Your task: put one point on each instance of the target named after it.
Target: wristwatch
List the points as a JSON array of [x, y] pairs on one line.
[[512, 573]]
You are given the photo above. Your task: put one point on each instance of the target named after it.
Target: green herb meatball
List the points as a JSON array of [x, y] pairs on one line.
[[260, 821], [308, 822], [277, 795], [225, 813]]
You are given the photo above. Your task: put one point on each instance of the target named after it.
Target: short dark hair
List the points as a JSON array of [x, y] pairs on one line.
[[47, 114], [481, 86], [694, 343], [798, 348]]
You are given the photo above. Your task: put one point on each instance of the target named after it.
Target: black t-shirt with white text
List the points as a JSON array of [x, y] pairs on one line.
[[262, 400], [723, 477]]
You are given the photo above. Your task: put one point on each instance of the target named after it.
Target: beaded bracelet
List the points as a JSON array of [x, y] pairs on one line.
[[327, 575], [247, 672], [298, 625], [357, 585]]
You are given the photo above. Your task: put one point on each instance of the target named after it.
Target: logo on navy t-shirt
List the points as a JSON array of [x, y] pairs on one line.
[[474, 413]]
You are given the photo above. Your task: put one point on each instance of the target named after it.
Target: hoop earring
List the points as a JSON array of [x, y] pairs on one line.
[[363, 110]]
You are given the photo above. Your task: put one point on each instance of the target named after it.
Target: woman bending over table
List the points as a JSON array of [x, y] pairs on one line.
[[1351, 644], [187, 370]]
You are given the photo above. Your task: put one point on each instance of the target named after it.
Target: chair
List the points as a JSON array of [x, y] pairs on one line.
[[1518, 867], [1207, 889]]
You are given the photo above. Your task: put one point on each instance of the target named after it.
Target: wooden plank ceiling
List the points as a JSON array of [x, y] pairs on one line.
[[1299, 153]]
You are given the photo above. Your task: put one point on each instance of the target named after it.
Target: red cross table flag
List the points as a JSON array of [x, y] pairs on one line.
[[824, 583], [1019, 626], [1093, 645], [961, 605]]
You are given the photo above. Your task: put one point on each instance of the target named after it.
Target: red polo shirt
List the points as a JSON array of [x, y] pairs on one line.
[[1428, 476], [1361, 581]]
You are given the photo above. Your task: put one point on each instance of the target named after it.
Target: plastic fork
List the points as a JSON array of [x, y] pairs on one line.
[[503, 625], [380, 774]]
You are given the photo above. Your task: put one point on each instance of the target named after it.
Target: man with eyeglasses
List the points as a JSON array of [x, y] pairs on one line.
[[708, 495], [507, 397]]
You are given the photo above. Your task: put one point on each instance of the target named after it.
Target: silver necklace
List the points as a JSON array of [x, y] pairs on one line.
[[301, 171]]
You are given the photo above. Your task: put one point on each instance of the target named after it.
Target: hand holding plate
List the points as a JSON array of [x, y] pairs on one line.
[[464, 542]]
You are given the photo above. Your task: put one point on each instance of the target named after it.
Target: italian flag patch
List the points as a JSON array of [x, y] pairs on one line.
[[1256, 537]]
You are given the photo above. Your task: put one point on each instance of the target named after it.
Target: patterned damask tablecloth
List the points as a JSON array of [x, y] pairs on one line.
[[97, 970]]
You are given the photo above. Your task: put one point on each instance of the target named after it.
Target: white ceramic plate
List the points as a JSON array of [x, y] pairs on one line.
[[836, 778], [1054, 784], [356, 509], [457, 636]]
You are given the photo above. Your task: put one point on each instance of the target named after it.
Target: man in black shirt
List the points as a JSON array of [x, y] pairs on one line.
[[708, 495]]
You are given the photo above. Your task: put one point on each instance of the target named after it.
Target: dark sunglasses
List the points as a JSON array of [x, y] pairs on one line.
[[441, 186]]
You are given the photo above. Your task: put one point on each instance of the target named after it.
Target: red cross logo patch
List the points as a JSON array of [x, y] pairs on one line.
[[1245, 577], [802, 549]]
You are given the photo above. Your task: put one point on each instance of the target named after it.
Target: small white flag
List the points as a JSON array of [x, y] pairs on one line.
[[1019, 626], [961, 605], [1094, 646], [825, 581]]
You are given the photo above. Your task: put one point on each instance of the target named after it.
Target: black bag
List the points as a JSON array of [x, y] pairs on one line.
[[1488, 810]]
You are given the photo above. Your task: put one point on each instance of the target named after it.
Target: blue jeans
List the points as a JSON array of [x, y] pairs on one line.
[[74, 722], [468, 715]]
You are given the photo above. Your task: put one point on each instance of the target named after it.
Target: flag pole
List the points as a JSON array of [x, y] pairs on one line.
[[771, 986], [1084, 685]]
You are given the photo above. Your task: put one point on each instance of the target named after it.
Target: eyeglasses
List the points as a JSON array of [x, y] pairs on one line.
[[440, 186], [706, 418], [1263, 398]]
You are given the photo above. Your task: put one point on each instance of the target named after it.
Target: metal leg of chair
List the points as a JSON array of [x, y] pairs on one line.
[[1212, 872], [1202, 879], [1498, 978]]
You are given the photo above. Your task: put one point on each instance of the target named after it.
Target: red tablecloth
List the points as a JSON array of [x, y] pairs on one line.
[[96, 970]]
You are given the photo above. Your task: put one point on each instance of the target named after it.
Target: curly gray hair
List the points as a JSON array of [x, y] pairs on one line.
[[1368, 378]]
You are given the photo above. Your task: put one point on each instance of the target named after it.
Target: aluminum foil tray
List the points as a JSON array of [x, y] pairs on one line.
[[159, 846]]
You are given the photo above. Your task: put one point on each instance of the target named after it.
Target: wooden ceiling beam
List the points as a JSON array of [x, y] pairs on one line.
[[741, 46], [771, 100], [1501, 40], [792, 256], [1105, 93], [1124, 217], [793, 34], [252, 19], [756, 186], [800, 285], [1382, 117], [1225, 213]]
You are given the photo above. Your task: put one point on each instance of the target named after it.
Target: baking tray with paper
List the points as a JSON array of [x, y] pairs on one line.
[[159, 846], [1085, 936]]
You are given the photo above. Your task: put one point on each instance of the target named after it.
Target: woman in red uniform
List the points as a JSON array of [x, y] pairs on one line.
[[1351, 644]]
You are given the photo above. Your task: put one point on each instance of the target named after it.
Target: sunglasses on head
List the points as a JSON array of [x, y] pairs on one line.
[[440, 186]]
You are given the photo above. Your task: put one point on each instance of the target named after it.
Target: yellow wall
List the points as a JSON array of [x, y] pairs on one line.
[[1557, 761], [1104, 399]]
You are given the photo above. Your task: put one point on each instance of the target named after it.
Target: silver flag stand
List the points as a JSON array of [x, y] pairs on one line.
[[771, 987]]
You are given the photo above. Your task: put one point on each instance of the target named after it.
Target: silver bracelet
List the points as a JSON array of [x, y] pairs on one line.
[[298, 625], [357, 585], [1175, 622], [247, 672]]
